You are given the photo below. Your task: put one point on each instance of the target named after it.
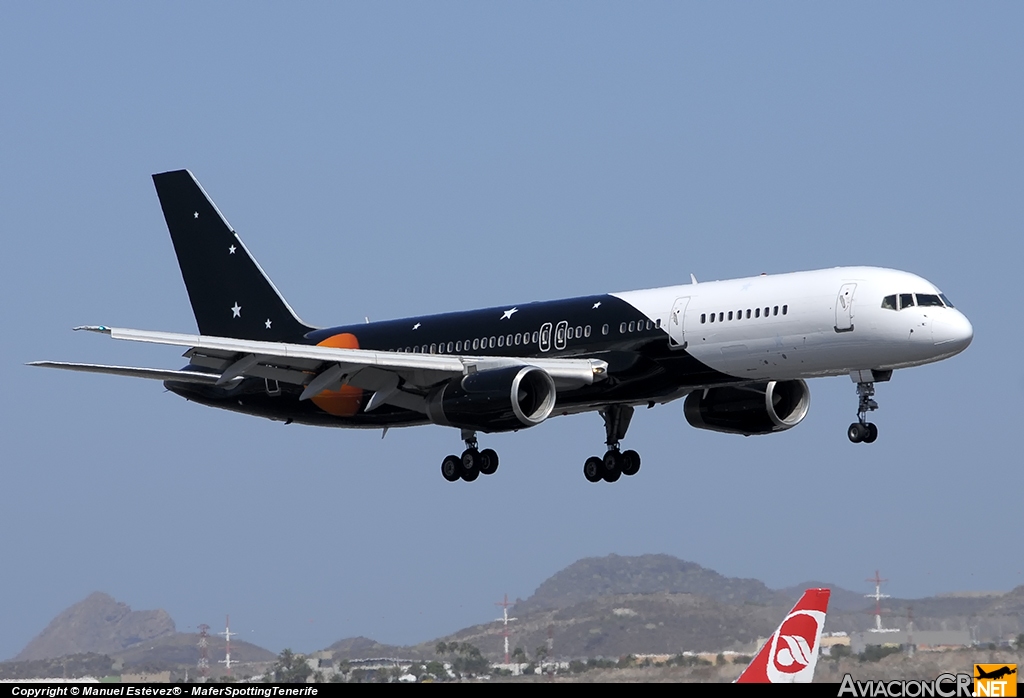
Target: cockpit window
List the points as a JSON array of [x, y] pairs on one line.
[[889, 302], [946, 300], [928, 299], [906, 300]]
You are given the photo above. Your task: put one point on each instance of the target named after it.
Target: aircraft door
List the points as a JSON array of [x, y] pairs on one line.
[[676, 323], [561, 329], [844, 308], [545, 337]]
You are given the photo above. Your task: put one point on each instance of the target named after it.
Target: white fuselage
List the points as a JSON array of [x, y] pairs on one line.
[[819, 323]]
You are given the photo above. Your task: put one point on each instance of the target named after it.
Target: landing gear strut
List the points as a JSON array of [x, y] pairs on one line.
[[473, 462], [862, 430], [615, 463]]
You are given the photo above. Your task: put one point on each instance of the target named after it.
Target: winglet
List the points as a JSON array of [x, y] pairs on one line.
[[102, 329], [791, 653], [693, 279]]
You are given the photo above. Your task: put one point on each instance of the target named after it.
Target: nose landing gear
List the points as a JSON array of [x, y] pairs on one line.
[[863, 431]]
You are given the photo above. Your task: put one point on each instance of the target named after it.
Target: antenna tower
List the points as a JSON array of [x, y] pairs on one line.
[[505, 620], [878, 596], [204, 655], [227, 645]]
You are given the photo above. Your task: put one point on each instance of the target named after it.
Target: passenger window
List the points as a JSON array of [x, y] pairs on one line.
[[536, 337], [586, 331], [501, 341], [458, 346], [632, 326], [785, 309], [906, 300], [748, 313], [476, 344], [766, 312], [622, 328], [721, 317], [889, 302], [604, 330], [579, 332], [928, 300], [730, 315], [433, 348], [757, 312], [408, 350], [703, 317], [657, 323], [508, 341], [649, 325], [775, 311], [492, 342], [712, 317]]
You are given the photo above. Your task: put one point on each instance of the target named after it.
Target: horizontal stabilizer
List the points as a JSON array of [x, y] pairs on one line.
[[134, 372]]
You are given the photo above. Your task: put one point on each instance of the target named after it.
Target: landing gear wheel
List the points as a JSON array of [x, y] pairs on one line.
[[857, 432], [612, 466], [470, 464], [630, 462], [451, 468], [488, 461], [872, 434], [593, 468]]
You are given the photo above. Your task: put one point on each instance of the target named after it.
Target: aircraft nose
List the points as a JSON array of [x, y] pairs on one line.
[[952, 331]]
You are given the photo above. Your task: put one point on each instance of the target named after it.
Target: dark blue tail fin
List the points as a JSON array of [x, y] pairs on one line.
[[231, 295]]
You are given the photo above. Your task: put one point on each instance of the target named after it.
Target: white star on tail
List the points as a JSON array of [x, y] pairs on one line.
[[596, 305], [416, 326], [231, 250], [509, 313], [196, 214], [267, 323], [236, 310]]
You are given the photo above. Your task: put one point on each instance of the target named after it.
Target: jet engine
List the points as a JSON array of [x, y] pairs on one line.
[[759, 408], [501, 399]]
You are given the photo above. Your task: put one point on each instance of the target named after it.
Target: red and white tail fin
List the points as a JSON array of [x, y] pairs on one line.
[[791, 654]]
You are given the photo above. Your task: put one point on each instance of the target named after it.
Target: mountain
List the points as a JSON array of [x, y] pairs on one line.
[[97, 624], [593, 577]]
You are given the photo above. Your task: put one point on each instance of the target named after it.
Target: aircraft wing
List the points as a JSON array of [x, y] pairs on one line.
[[397, 378]]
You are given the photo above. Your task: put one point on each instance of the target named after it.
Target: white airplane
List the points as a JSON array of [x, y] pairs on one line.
[[791, 653], [738, 351]]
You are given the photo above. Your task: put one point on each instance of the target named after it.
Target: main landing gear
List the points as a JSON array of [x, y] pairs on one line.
[[615, 463], [473, 462], [862, 430]]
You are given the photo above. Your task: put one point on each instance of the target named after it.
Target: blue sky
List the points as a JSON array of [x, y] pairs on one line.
[[386, 160]]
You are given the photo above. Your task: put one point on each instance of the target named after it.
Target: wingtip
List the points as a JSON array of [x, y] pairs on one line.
[[102, 329]]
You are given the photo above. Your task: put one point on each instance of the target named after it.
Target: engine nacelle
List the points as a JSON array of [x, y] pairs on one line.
[[501, 399], [761, 408]]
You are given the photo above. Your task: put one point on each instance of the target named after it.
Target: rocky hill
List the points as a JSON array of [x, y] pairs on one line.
[[100, 636], [97, 624], [594, 577]]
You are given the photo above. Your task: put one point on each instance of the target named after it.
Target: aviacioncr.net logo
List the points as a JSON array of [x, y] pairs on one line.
[[794, 644]]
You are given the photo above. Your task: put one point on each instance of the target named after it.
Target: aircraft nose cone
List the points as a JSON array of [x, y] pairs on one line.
[[952, 331]]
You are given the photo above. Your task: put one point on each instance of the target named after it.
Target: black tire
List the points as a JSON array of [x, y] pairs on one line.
[[630, 463], [612, 463], [856, 432], [488, 461], [872, 434], [593, 468], [470, 464], [451, 468]]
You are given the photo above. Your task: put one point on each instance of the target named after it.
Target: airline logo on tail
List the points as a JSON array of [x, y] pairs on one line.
[[791, 654]]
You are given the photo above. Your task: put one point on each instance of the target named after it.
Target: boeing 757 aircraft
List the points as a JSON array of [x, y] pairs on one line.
[[738, 351]]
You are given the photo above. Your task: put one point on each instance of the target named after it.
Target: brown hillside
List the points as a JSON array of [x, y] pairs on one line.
[[97, 624]]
